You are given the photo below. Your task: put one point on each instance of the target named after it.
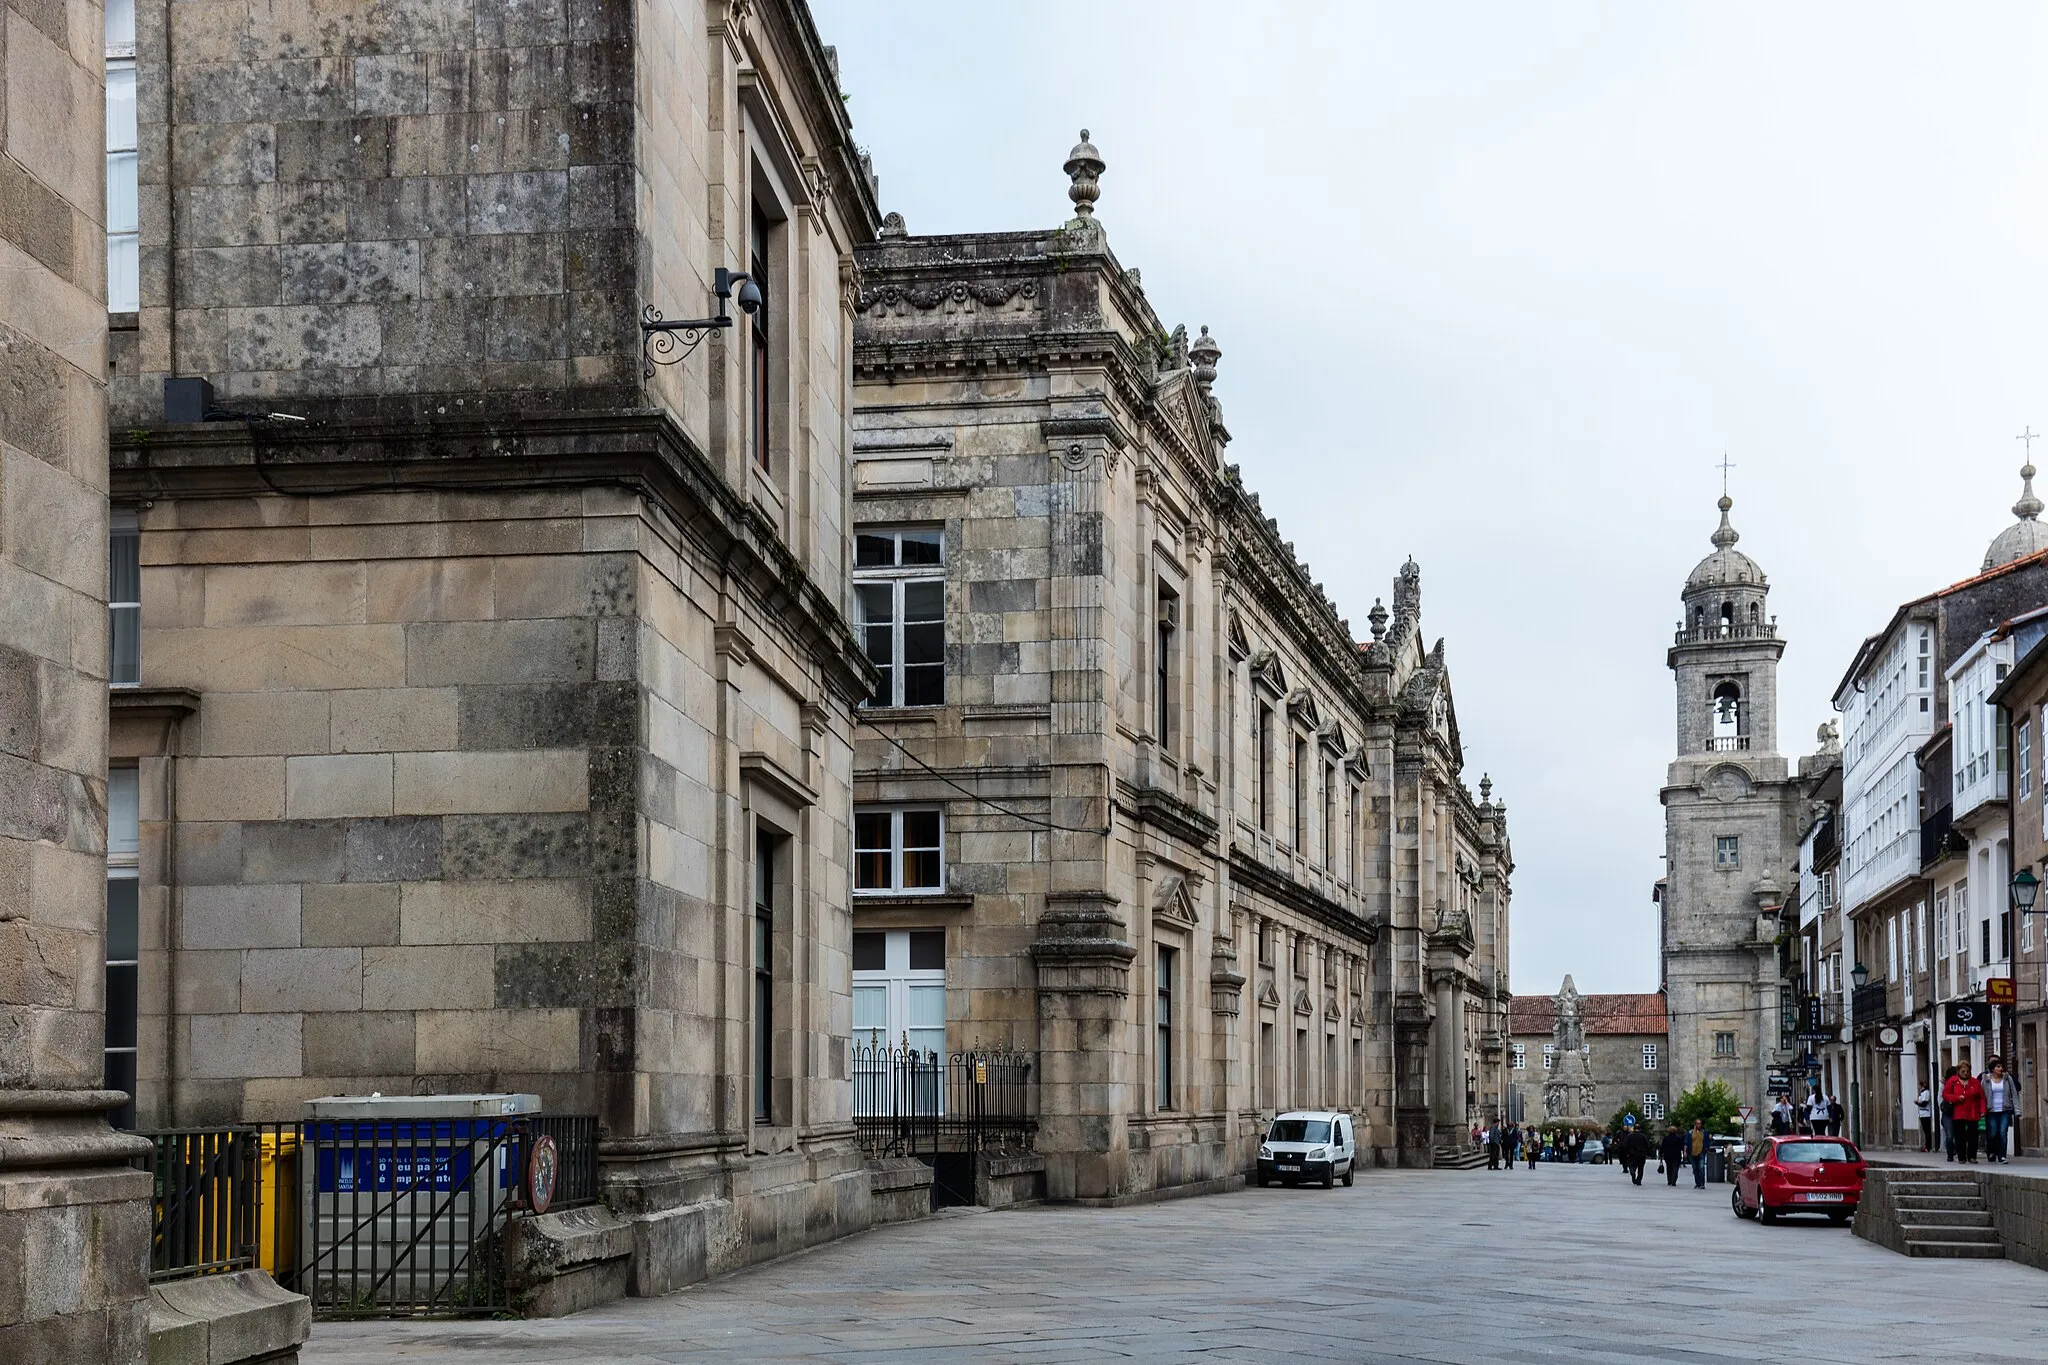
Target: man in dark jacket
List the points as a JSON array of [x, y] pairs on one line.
[[1635, 1151], [1671, 1151]]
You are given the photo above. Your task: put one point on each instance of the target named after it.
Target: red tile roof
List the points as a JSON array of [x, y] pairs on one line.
[[1603, 1014]]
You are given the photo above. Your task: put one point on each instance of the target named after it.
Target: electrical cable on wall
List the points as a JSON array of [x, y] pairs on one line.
[[983, 800]]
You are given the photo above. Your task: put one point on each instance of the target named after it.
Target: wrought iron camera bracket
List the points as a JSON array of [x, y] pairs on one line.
[[664, 342]]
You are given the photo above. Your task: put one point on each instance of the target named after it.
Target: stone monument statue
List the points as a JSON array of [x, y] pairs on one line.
[[1568, 1092]]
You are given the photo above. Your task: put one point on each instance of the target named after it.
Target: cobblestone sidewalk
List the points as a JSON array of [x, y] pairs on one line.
[[1560, 1263]]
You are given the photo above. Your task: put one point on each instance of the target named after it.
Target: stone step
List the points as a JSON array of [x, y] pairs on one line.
[[1935, 1233], [1945, 1218], [1963, 1251], [1935, 1180], [1934, 1203]]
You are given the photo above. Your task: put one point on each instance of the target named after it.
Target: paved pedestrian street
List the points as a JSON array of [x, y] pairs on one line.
[[1558, 1263]]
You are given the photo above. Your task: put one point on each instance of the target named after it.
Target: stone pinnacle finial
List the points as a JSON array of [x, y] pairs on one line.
[[1725, 534], [1205, 353], [2029, 506], [1378, 617], [1084, 168], [1486, 788]]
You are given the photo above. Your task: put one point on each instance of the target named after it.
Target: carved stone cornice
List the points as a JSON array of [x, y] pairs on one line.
[[1161, 809], [1081, 948], [1278, 886], [645, 452]]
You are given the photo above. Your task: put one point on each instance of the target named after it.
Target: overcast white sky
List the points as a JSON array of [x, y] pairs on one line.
[[1498, 284]]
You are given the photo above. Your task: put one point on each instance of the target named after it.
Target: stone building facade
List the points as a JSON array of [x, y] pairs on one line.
[[1733, 817], [1178, 832], [493, 726], [74, 1219], [1625, 1044]]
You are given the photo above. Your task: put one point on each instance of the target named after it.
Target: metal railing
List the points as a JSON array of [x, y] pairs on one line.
[[1728, 744], [912, 1103], [204, 1206], [393, 1217]]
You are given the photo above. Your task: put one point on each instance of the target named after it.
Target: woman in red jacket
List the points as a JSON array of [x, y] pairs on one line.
[[1965, 1096]]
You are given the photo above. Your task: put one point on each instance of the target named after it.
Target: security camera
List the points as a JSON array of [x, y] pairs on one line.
[[750, 296]]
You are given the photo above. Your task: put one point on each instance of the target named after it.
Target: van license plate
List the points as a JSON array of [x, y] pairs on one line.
[[1288, 1168], [1823, 1198]]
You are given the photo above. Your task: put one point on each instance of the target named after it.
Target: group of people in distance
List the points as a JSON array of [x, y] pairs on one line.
[[1974, 1110], [1818, 1115], [1507, 1142]]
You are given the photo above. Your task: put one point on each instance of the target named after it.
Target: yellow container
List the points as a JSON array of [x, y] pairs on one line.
[[277, 1200]]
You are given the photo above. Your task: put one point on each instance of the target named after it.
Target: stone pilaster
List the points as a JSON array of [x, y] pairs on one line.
[[1083, 959], [74, 1223]]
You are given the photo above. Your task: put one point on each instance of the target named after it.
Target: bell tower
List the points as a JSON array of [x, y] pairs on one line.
[[1730, 817], [1725, 654]]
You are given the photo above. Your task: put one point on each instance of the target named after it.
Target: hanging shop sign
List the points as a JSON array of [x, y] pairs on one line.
[[1965, 1018]]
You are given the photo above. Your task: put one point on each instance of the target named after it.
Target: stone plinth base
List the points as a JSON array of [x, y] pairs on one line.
[[901, 1189], [74, 1232], [241, 1318], [1005, 1179], [562, 1263]]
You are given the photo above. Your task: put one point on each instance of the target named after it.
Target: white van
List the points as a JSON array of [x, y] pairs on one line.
[[1308, 1144]]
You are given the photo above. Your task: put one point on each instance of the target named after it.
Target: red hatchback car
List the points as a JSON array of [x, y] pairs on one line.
[[1799, 1175]]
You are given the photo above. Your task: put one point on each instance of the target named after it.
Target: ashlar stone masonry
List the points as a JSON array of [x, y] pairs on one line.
[[1204, 853]]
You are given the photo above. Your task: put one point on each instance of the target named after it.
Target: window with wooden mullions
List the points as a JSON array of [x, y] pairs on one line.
[[901, 608]]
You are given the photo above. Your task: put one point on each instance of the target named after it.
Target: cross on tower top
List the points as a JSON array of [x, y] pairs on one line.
[[2029, 436], [1725, 465]]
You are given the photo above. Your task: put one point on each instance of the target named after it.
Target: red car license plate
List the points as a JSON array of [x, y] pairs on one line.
[[1822, 1198]]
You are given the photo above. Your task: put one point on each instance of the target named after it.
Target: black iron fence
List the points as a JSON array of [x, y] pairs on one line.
[[912, 1103], [391, 1216]]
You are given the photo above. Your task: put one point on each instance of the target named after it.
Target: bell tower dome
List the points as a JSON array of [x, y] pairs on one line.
[[1725, 653]]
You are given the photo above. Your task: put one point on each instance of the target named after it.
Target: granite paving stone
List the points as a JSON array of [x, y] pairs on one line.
[[1417, 1267]]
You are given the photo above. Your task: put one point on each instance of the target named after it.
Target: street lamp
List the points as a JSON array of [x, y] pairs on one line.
[[1860, 974], [2026, 889]]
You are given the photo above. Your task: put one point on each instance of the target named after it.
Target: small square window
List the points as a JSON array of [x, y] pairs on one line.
[[1728, 851], [1724, 1045]]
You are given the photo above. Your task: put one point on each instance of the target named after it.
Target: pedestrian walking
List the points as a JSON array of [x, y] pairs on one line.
[[1531, 1147], [1669, 1154], [1925, 1104], [1635, 1151], [1696, 1153], [1948, 1118], [1510, 1147], [1835, 1116], [1965, 1096], [1493, 1148], [2001, 1103], [1781, 1116]]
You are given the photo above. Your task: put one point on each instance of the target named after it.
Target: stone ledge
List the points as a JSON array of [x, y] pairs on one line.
[[562, 1263], [235, 1319], [899, 1189]]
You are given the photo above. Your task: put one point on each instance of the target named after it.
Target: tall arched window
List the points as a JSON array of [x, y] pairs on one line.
[[1727, 617]]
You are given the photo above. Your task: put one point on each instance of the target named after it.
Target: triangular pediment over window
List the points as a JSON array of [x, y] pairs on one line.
[[1174, 901]]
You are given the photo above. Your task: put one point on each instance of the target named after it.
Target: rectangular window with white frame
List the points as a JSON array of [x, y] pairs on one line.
[[1891, 930], [124, 214], [1518, 1057], [898, 851], [1653, 1105], [1549, 1056], [2023, 756], [1649, 1056], [124, 599], [899, 597]]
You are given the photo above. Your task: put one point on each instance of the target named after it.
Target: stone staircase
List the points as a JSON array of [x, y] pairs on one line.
[[1942, 1213], [1458, 1158]]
